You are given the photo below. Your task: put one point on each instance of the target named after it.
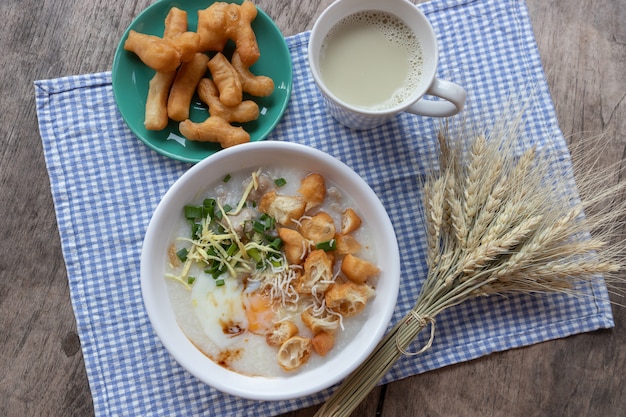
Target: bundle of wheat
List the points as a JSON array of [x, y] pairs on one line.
[[498, 222]]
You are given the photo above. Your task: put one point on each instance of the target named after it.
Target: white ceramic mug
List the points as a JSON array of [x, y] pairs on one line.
[[358, 117]]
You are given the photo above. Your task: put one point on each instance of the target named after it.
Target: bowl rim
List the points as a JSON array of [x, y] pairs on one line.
[[253, 387]]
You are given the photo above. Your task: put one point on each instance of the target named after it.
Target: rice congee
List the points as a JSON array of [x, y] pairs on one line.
[[271, 271]]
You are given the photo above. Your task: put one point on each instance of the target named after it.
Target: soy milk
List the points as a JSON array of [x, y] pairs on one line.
[[371, 60]]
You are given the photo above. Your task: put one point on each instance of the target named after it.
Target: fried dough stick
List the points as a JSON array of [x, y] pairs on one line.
[[156, 117], [256, 85], [185, 83], [243, 112], [214, 129], [157, 53], [175, 23], [175, 32], [223, 21], [226, 80]]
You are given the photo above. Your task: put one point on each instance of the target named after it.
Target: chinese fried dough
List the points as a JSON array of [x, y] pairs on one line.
[[181, 59]]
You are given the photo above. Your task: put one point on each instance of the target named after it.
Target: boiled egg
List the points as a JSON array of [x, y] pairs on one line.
[[259, 313], [220, 309]]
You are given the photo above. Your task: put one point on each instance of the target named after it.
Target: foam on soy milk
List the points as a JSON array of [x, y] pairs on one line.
[[372, 60]]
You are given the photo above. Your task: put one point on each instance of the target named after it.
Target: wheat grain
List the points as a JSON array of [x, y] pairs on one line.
[[455, 206], [489, 201], [473, 178], [433, 203]]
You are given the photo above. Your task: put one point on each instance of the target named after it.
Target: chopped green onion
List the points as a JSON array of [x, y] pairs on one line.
[[215, 266], [328, 245], [254, 254], [227, 208], [191, 280], [231, 249], [182, 254], [227, 178], [193, 212], [219, 282], [196, 230], [216, 227], [208, 207], [263, 224], [280, 182], [258, 227], [276, 262], [215, 270], [276, 243]]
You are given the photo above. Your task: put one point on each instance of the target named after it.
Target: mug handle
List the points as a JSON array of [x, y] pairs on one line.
[[453, 94]]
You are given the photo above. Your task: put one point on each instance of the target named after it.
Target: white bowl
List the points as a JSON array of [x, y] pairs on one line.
[[158, 238]]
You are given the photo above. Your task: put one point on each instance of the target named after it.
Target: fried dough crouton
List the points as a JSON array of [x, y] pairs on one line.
[[282, 208], [319, 228], [350, 221], [294, 353], [281, 332], [349, 298], [357, 269], [313, 189], [347, 244], [295, 245], [318, 274], [323, 343], [324, 322]]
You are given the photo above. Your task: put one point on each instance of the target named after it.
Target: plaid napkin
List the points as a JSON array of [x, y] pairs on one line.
[[106, 184]]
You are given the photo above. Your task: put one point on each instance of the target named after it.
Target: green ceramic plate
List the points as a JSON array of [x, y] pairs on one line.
[[131, 78]]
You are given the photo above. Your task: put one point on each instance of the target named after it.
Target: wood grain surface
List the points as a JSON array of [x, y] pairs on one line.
[[583, 48]]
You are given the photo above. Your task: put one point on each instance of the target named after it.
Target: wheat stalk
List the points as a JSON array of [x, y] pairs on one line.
[[497, 222]]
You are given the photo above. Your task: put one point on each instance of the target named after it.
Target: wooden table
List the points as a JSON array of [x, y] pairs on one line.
[[583, 47]]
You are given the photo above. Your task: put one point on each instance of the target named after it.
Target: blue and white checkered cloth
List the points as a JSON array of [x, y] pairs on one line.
[[106, 184]]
